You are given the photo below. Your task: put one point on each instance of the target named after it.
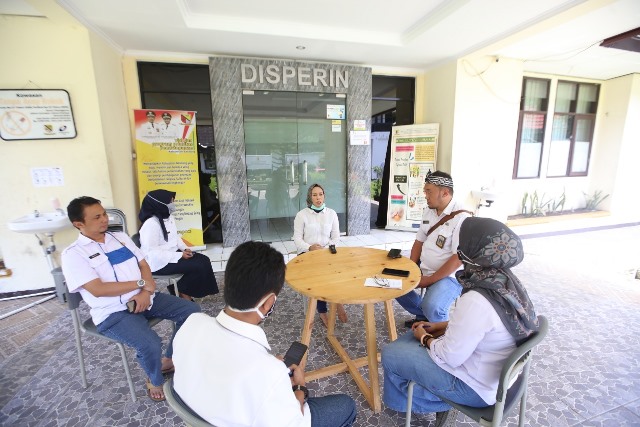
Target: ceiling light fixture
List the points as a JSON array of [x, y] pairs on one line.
[[625, 41]]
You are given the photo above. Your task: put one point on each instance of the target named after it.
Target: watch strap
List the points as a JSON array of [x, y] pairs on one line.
[[302, 389]]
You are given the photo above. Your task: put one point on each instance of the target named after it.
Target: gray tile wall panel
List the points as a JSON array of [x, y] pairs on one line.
[[228, 125]]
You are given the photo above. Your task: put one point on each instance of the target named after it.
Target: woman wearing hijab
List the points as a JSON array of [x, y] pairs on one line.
[[316, 227], [166, 251], [461, 359]]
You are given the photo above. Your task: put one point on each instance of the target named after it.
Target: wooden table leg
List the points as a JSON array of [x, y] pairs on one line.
[[391, 321], [372, 356], [308, 327], [331, 327]]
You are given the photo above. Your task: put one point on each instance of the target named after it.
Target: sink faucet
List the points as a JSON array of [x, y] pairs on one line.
[[36, 213]]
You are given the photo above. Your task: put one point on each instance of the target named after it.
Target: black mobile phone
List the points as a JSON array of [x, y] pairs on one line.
[[131, 306], [394, 272], [295, 354], [332, 248], [394, 253]]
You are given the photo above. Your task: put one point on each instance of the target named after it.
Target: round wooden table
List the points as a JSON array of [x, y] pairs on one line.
[[339, 278]]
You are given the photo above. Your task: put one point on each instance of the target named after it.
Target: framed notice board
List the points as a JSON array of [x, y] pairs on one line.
[[36, 114]]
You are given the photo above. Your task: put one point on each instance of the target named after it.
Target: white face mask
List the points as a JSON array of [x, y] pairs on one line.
[[257, 308]]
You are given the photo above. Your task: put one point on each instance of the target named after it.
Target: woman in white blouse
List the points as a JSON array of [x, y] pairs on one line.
[[461, 359], [315, 228], [166, 251]]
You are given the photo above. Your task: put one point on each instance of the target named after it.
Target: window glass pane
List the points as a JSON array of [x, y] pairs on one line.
[[393, 87], [181, 101], [156, 76], [565, 96], [535, 98], [560, 145], [532, 135], [580, 160], [587, 99]]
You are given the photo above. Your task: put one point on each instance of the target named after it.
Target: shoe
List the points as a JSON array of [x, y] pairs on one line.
[[446, 419], [150, 388], [409, 323]]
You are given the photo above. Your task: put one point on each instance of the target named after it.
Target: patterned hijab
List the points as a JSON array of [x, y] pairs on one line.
[[488, 250], [155, 204]]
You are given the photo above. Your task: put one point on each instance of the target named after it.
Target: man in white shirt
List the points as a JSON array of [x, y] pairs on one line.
[[435, 250], [167, 129], [225, 371], [109, 270]]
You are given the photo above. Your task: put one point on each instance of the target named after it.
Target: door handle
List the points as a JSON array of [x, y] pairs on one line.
[[293, 177], [304, 171]]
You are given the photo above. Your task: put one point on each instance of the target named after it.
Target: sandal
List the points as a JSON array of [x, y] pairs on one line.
[[156, 389]]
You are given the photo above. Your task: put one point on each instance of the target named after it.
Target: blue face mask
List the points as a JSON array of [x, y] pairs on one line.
[[317, 208]]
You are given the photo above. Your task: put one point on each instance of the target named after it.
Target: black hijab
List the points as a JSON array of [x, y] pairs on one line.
[[488, 250], [154, 204]]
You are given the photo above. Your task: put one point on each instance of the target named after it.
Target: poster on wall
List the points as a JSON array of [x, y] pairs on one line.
[[36, 114], [413, 156], [167, 158]]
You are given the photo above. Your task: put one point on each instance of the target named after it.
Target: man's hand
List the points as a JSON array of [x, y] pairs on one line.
[[298, 375], [186, 254], [315, 247], [143, 301]]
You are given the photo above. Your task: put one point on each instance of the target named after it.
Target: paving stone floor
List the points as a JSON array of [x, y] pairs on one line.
[[587, 372]]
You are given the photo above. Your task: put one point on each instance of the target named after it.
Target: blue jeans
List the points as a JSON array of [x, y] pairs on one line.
[[134, 331], [436, 302], [335, 410], [403, 361]]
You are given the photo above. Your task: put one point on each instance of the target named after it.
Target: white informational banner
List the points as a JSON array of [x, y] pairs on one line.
[[413, 155], [36, 114]]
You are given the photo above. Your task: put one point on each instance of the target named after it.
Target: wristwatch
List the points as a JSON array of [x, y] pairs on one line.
[[141, 283], [303, 389]]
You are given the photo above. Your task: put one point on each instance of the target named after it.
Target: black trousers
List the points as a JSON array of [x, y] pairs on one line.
[[197, 279]]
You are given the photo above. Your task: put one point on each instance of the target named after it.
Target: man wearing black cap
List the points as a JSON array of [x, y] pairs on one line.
[[435, 250]]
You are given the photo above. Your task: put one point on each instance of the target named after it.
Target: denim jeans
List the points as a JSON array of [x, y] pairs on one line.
[[335, 410], [436, 302], [134, 331], [404, 360]]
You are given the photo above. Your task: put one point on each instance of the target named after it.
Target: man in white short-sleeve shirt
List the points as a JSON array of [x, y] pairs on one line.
[[436, 252], [225, 371], [109, 271]]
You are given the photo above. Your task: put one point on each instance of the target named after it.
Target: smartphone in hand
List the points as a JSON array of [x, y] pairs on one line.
[[294, 355], [131, 306]]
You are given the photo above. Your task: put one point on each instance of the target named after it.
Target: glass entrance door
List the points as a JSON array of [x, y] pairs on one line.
[[290, 144]]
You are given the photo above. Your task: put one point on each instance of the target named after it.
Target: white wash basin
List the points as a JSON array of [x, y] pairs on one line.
[[485, 195], [48, 222]]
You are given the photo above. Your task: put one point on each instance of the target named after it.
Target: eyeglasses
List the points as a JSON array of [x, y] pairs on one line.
[[381, 281], [465, 259]]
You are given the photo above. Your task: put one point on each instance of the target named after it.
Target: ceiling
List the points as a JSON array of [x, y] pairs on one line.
[[551, 36]]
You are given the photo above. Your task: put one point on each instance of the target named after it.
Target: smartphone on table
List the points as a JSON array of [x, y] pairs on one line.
[[394, 272]]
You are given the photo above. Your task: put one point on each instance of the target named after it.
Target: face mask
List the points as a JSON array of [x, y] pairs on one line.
[[257, 308], [317, 208], [171, 206]]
